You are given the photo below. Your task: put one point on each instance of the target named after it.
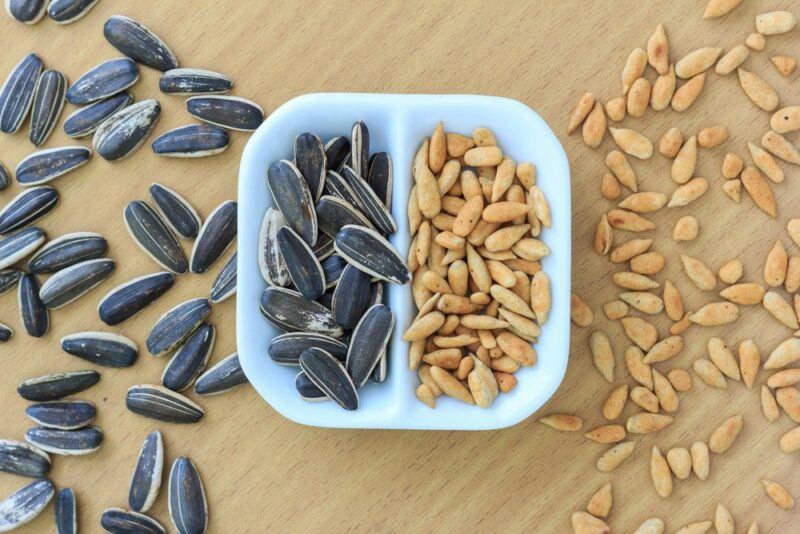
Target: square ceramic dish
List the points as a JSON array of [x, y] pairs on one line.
[[397, 124]]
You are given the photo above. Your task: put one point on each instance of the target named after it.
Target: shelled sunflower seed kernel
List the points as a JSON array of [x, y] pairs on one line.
[[475, 217]]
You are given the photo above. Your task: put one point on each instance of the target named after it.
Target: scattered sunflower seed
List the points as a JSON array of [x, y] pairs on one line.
[[177, 212], [124, 132], [84, 121], [17, 92], [337, 151], [27, 11], [27, 207], [25, 504], [18, 245], [66, 512], [304, 267], [128, 299], [139, 43], [151, 233], [68, 11], [176, 325], [368, 343], [359, 147], [9, 278], [191, 141], [190, 359], [309, 157], [286, 349], [101, 348], [307, 389], [48, 101], [66, 442], [231, 112], [20, 458], [48, 164], [225, 283], [289, 311], [226, 375], [194, 81], [351, 297], [293, 198], [214, 238], [380, 177], [119, 521], [5, 177], [71, 283], [372, 253], [56, 386], [330, 376], [5, 333], [62, 415], [34, 314], [146, 479], [66, 251], [370, 203], [188, 507], [101, 81], [270, 262], [162, 404]]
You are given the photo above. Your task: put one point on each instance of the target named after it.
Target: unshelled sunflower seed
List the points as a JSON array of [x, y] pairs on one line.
[[117, 520], [216, 235], [138, 43], [191, 141], [307, 390], [177, 212], [27, 207], [224, 284], [190, 359], [310, 159], [371, 253], [128, 299], [48, 101], [224, 376], [33, 312], [368, 341], [289, 311], [23, 459], [231, 112], [66, 442], [293, 198], [187, 81], [304, 268], [25, 504], [151, 233], [188, 507], [27, 11], [172, 328], [101, 348], [66, 251], [71, 283], [66, 512], [337, 153], [351, 296], [17, 92], [125, 131], [270, 262], [62, 415], [55, 386], [85, 120], [162, 404], [369, 202], [68, 11], [5, 333], [103, 80], [330, 376]]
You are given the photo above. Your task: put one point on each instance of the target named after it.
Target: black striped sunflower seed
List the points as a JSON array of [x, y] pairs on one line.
[[368, 342], [146, 478], [56, 386], [337, 186], [5, 177], [84, 121], [337, 150], [67, 250], [379, 372], [190, 359], [154, 237], [124, 132], [286, 349], [270, 261], [18, 245], [128, 299], [25, 504], [334, 213], [369, 202], [17, 93], [216, 235], [289, 311], [9, 278], [327, 298], [139, 43], [307, 389], [48, 164], [101, 81], [372, 253], [66, 512], [28, 206], [162, 404], [101, 348], [225, 283], [333, 266], [32, 311], [359, 148], [177, 212], [27, 11], [119, 521], [351, 297], [176, 325], [323, 248], [309, 157], [48, 101], [224, 376], [85, 440], [188, 507], [68, 11], [194, 81], [293, 198], [330, 376], [62, 415], [304, 267], [376, 294], [380, 178], [68, 285], [230, 112], [23, 459], [191, 141], [5, 332]]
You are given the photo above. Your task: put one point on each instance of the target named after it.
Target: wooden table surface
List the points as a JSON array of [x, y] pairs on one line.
[[263, 473]]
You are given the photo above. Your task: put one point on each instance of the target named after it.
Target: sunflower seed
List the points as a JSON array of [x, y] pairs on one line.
[[337, 186], [359, 146], [309, 157], [67, 250], [334, 213], [270, 261], [194, 81], [162, 404], [371, 253], [101, 348], [123, 133], [327, 299], [84, 121], [370, 203], [101, 81], [216, 235], [66, 512], [333, 266], [307, 389], [48, 101], [25, 504], [351, 297], [5, 177], [225, 283], [337, 150], [380, 177], [330, 376], [68, 11], [56, 386], [376, 294], [146, 479], [9, 278], [286, 349], [293, 198], [176, 325], [18, 245], [75, 281], [119, 521], [226, 375], [191, 141], [151, 233], [34, 314], [128, 299], [368, 342], [177, 212], [188, 508], [5, 333], [27, 11], [190, 359], [231, 112], [379, 372], [48, 164], [304, 267], [20, 458], [27, 207], [323, 248], [289, 311], [62, 415], [66, 442], [17, 92], [139, 43]]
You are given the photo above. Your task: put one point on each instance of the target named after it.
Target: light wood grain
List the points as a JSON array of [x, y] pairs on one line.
[[266, 474]]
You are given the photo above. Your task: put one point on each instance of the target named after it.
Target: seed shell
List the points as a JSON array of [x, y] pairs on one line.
[[15, 247], [337, 152], [27, 207], [307, 390], [73, 282], [286, 349], [224, 376], [334, 213], [151, 233], [5, 333], [337, 186], [293, 198], [62, 415], [27, 11], [103, 80], [225, 283], [270, 262], [68, 11], [176, 211], [125, 131], [214, 238], [66, 251], [53, 387], [101, 348], [231, 112], [380, 177], [66, 512], [370, 203], [146, 478], [304, 268], [359, 148], [16, 95], [191, 141], [66, 442], [188, 507], [128, 299], [187, 81], [20, 458], [329, 375], [5, 177], [85, 120], [48, 101], [33, 312], [368, 342], [190, 359], [176, 325], [371, 253], [309, 157], [139, 43], [287, 310], [351, 297], [119, 521], [25, 504], [162, 404]]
